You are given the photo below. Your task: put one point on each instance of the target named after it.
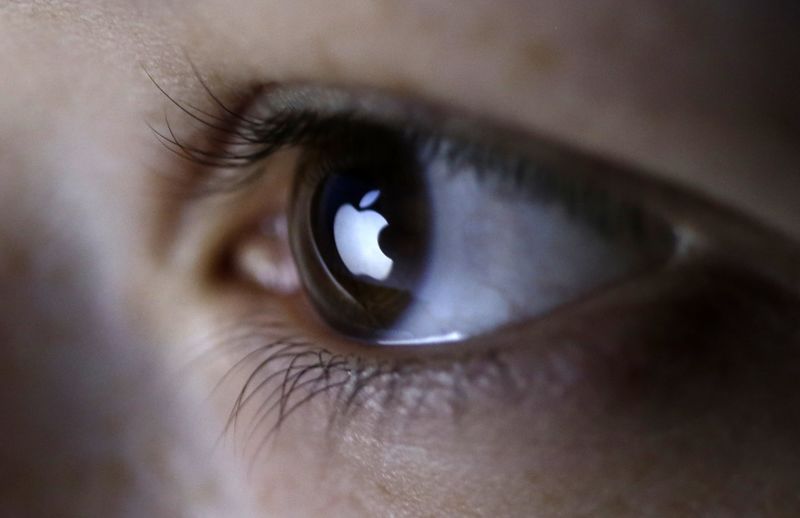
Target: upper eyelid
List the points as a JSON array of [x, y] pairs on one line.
[[254, 117], [251, 126]]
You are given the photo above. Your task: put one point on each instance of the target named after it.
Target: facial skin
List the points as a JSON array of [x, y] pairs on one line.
[[674, 396]]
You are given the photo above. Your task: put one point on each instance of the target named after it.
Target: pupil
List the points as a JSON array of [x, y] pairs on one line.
[[371, 234]]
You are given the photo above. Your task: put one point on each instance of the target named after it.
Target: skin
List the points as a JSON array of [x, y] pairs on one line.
[[673, 396]]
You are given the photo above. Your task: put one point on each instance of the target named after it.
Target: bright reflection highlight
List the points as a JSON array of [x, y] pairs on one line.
[[355, 233]]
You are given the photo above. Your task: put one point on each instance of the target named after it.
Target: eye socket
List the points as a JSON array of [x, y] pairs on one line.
[[408, 237]]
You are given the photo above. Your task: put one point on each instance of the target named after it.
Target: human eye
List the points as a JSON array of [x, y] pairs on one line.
[[411, 225], [405, 234]]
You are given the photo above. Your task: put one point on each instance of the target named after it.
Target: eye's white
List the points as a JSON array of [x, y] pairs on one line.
[[495, 258]]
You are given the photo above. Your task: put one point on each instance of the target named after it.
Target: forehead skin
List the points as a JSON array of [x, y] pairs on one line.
[[703, 93]]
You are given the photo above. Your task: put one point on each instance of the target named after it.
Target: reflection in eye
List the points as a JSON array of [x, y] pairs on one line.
[[411, 238], [356, 234]]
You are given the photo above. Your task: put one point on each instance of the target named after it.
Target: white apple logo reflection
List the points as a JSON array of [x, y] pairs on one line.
[[355, 233]]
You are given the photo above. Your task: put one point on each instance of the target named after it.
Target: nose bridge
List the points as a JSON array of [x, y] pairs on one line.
[[57, 371], [93, 422]]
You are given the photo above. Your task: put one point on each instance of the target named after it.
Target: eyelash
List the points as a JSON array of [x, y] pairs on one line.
[[287, 373]]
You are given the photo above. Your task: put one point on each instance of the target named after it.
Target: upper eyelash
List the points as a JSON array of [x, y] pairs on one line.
[[238, 140]]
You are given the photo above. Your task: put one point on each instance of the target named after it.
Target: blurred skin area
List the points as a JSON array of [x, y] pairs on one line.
[[116, 333]]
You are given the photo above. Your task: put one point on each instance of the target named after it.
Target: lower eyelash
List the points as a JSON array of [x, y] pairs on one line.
[[280, 366], [287, 373]]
